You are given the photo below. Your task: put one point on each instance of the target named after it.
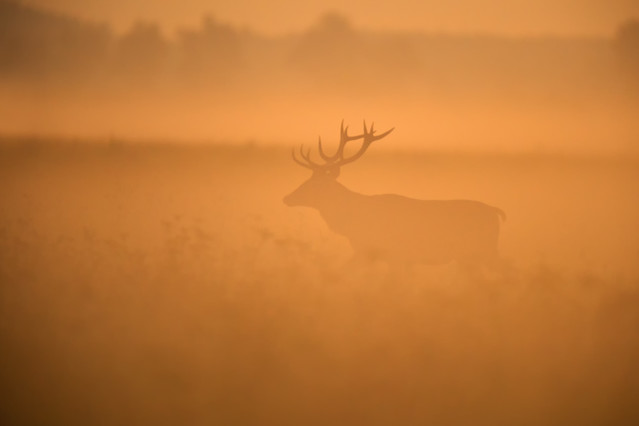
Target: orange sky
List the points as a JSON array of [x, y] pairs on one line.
[[513, 17]]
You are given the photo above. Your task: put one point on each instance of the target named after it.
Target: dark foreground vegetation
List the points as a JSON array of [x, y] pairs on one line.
[[157, 284]]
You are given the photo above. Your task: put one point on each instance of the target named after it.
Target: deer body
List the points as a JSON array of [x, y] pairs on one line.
[[393, 227], [401, 229]]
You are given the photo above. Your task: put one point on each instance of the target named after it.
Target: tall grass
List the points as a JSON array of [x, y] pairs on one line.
[[166, 285]]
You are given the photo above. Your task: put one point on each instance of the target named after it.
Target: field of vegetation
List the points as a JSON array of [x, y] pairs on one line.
[[164, 284]]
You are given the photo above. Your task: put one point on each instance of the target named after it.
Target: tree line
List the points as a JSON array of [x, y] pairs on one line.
[[41, 47]]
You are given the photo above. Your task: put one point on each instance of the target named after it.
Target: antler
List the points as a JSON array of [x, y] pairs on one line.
[[310, 164], [344, 137], [338, 158], [369, 138]]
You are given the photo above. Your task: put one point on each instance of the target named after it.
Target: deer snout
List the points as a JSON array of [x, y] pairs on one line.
[[293, 199]]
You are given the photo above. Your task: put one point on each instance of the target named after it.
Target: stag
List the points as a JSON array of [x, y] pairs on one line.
[[393, 227]]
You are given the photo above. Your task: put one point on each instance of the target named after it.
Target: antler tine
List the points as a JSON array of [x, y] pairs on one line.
[[325, 157], [383, 135], [344, 135], [338, 158], [307, 158], [309, 164], [369, 132], [300, 162], [344, 138], [369, 138]]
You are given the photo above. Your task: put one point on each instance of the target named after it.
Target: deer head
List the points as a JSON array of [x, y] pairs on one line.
[[322, 185]]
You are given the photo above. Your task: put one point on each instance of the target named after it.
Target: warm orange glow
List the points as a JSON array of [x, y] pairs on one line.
[[164, 260], [212, 80], [511, 17]]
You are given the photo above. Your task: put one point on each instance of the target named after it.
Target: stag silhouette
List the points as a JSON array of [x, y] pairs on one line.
[[393, 227]]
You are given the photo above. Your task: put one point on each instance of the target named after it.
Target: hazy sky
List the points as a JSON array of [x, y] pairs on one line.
[[515, 17]]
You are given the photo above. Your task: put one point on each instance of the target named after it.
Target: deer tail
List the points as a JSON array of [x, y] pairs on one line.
[[501, 214]]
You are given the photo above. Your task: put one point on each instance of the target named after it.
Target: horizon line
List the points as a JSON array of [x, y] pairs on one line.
[[171, 31]]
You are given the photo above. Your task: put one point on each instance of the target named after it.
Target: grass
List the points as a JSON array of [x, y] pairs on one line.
[[169, 285]]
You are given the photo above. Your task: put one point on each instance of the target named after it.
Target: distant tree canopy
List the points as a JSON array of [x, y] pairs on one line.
[[143, 50], [332, 34], [42, 45], [335, 54], [37, 46], [333, 24], [214, 50], [627, 45]]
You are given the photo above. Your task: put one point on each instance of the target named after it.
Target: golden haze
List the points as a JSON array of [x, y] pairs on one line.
[[150, 272], [506, 17]]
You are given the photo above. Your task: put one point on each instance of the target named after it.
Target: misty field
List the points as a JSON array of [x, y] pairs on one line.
[[165, 285]]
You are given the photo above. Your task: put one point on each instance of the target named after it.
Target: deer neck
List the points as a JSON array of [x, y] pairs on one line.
[[339, 207]]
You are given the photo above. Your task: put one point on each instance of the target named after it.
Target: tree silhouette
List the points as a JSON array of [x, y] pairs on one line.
[[211, 54], [334, 55], [42, 46], [333, 24], [330, 52], [142, 52], [627, 46]]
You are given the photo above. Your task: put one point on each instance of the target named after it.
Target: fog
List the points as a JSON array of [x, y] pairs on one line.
[[151, 273], [215, 81], [518, 17], [150, 284]]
